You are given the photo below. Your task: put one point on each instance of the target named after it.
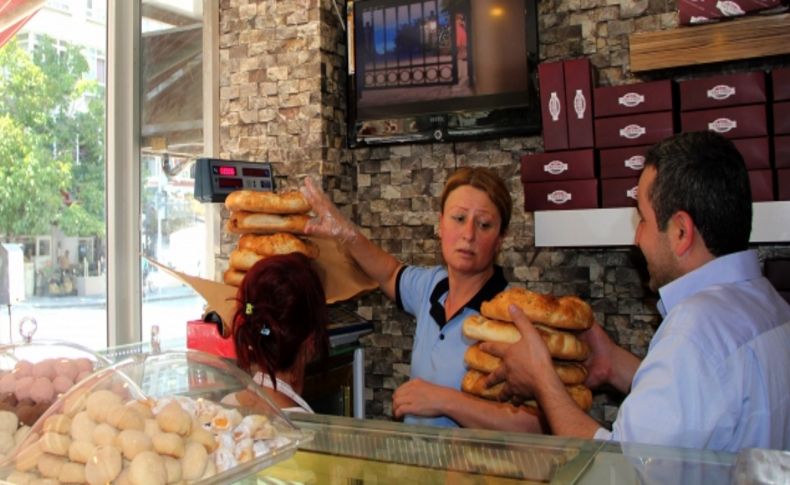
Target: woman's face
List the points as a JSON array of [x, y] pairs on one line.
[[469, 230]]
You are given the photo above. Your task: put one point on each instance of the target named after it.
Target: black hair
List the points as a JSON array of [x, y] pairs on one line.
[[703, 173]]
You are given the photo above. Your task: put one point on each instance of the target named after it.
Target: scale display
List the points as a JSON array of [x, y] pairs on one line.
[[216, 178]]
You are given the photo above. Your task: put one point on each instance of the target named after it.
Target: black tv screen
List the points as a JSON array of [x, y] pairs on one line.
[[441, 70]]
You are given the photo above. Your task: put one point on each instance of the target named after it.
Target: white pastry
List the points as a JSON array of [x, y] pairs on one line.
[[148, 468], [103, 466]]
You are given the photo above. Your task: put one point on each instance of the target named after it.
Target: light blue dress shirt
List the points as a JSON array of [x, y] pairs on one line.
[[717, 372], [438, 351]]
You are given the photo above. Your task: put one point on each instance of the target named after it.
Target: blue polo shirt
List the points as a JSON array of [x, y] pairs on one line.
[[439, 345]]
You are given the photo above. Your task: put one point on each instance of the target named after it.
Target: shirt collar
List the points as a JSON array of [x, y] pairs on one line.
[[730, 268], [495, 284]]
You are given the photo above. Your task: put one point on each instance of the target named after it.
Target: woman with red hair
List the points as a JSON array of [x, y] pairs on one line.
[[280, 325]]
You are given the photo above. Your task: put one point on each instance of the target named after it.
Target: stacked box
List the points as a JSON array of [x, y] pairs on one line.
[[564, 176], [628, 120], [734, 106], [559, 180], [781, 98]]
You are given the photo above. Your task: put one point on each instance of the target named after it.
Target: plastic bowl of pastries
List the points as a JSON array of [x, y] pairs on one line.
[[155, 419], [32, 377]]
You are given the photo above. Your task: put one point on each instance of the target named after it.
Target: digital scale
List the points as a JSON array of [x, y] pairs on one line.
[[216, 178]]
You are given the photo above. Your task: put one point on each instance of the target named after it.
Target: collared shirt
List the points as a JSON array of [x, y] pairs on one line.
[[439, 346], [717, 371]]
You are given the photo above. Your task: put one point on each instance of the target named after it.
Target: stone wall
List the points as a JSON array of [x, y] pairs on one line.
[[283, 98]]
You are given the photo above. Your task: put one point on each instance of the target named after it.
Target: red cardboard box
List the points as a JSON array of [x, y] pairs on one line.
[[734, 122], [552, 106], [568, 165], [579, 100], [782, 118], [782, 151], [762, 183], [622, 162], [633, 99], [754, 152], [205, 336], [781, 83], [619, 192], [783, 183], [719, 91], [644, 129], [693, 12], [560, 195]]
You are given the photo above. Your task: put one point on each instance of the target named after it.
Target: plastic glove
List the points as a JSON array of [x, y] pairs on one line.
[[328, 220]]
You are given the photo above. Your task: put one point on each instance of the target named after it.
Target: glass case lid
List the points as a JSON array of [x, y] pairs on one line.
[[156, 418]]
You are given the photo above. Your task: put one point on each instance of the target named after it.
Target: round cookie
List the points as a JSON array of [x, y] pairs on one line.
[[81, 451], [49, 465], [72, 473], [55, 443], [125, 417], [104, 434], [59, 423], [169, 444], [148, 468], [103, 466], [194, 462], [98, 404], [133, 442], [8, 421]]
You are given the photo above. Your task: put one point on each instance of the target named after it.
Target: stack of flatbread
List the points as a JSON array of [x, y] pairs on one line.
[[556, 319], [270, 224]]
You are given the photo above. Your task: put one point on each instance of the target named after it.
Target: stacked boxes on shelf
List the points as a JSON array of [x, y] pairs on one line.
[[564, 176], [605, 147], [734, 106], [781, 112], [628, 120]]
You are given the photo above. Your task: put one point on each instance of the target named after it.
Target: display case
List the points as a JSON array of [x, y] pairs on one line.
[[315, 449], [364, 451], [156, 418]]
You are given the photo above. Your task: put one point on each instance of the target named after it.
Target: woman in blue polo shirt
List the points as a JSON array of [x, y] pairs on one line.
[[475, 213]]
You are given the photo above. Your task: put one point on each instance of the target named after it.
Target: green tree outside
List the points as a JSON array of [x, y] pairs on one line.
[[51, 143]]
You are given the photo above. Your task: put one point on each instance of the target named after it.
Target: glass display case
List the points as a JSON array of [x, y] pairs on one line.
[[316, 449], [347, 450], [155, 418]]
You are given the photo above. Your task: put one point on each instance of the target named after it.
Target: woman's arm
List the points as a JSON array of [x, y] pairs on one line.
[[330, 222], [421, 398]]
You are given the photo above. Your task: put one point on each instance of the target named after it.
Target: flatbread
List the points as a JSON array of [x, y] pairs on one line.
[[241, 222], [565, 312], [291, 202], [561, 345], [570, 373], [474, 383], [280, 243]]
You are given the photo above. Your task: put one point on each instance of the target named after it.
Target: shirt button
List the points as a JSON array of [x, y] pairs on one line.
[[441, 336]]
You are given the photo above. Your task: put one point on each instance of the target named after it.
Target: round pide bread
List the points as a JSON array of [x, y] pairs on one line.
[[291, 202], [570, 373], [565, 312], [561, 345]]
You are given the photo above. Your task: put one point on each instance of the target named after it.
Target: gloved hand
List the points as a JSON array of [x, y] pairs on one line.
[[328, 220]]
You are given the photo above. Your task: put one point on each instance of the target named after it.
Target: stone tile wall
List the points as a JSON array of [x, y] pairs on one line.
[[283, 101]]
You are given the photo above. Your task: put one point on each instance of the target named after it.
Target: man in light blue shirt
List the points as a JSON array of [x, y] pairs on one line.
[[717, 372]]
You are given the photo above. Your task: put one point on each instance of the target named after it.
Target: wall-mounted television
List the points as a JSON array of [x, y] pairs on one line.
[[441, 70]]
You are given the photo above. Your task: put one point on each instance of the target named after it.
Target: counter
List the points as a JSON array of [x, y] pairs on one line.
[[345, 450]]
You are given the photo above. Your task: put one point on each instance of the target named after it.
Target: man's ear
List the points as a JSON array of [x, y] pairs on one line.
[[682, 232]]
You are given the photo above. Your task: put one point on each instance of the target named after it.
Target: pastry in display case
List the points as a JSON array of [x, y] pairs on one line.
[[32, 377], [155, 418]]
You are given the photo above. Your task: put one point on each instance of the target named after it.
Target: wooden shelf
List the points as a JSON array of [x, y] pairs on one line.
[[743, 38], [616, 227]]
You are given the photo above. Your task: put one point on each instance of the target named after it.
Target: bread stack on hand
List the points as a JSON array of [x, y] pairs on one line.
[[556, 319], [270, 224]]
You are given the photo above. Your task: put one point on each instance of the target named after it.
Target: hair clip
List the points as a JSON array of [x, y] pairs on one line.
[[248, 309], [266, 331]]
